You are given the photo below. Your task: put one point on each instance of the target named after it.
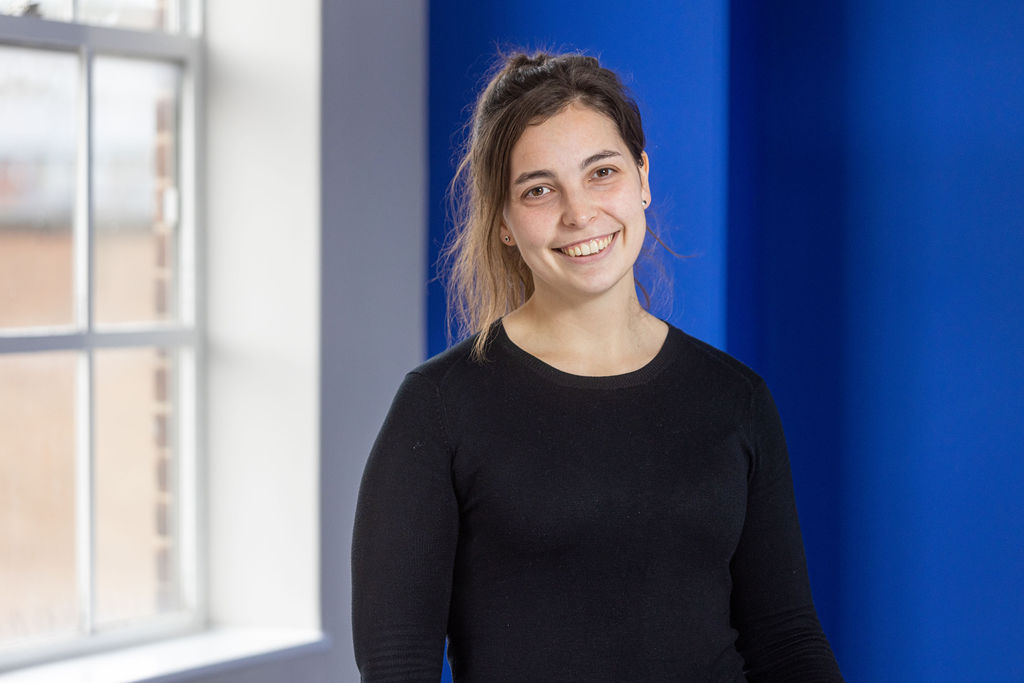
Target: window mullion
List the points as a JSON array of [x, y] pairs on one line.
[[84, 490], [83, 198], [84, 279]]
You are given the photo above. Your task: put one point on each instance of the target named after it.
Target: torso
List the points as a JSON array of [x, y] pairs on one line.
[[598, 507]]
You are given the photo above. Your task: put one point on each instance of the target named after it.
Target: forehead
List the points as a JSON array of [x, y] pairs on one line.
[[564, 139]]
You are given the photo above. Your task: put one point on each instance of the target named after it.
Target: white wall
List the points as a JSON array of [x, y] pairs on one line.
[[262, 237], [316, 230]]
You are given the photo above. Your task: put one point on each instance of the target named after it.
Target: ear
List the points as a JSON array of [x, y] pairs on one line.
[[644, 169], [505, 235]]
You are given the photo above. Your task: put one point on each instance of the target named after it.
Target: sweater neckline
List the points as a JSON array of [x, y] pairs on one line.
[[636, 377]]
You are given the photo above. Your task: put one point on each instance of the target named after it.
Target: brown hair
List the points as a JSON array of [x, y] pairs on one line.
[[486, 279]]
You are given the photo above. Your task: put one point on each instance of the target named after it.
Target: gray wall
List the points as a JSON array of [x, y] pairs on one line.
[[373, 257]]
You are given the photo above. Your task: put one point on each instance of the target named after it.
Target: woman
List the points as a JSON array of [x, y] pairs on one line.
[[579, 491]]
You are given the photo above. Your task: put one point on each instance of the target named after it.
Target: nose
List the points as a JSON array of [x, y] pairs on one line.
[[579, 209]]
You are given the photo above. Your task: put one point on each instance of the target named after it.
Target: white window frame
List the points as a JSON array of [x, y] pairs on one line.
[[185, 336]]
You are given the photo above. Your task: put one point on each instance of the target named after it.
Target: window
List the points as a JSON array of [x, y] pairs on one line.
[[99, 337]]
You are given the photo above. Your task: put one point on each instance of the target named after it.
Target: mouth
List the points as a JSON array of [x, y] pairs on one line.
[[589, 247]]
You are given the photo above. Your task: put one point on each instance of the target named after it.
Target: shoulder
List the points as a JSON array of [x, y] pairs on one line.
[[717, 383], [726, 387], [453, 366], [713, 365]]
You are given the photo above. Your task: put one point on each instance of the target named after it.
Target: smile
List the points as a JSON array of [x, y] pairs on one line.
[[594, 246]]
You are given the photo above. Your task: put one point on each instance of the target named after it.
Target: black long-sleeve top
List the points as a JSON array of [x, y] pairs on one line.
[[639, 527]]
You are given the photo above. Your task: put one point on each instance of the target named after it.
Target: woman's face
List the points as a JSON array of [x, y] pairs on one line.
[[574, 208]]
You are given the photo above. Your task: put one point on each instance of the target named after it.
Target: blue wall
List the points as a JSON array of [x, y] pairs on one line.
[[673, 55], [876, 235], [934, 311], [785, 255]]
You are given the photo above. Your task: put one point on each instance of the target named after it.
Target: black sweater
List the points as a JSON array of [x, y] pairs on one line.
[[639, 527]]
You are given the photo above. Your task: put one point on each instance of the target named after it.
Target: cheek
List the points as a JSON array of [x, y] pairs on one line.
[[528, 227]]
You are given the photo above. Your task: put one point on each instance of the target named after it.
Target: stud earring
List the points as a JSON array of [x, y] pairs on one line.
[[643, 203], [508, 240]]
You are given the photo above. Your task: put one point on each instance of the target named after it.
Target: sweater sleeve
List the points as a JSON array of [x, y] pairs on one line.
[[404, 540], [780, 637]]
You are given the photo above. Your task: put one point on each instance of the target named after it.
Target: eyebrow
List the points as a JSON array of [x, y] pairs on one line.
[[543, 173]]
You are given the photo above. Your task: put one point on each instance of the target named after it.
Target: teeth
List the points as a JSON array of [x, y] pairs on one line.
[[587, 248]]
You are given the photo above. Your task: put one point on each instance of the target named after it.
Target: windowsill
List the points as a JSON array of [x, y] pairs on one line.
[[179, 659]]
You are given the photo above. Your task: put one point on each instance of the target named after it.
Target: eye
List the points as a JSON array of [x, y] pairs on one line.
[[604, 172], [538, 191]]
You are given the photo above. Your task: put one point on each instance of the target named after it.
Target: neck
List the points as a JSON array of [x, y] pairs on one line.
[[606, 335]]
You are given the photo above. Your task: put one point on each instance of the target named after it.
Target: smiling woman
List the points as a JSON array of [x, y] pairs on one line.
[[486, 278], [576, 216], [578, 490]]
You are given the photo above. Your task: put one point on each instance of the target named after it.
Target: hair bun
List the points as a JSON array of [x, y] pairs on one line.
[[521, 60]]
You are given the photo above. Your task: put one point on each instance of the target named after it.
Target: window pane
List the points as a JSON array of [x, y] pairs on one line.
[[136, 569], [142, 15], [37, 186], [135, 200], [37, 495], [46, 9]]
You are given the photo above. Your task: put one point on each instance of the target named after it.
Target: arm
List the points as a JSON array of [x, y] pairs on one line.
[[780, 637], [403, 544]]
